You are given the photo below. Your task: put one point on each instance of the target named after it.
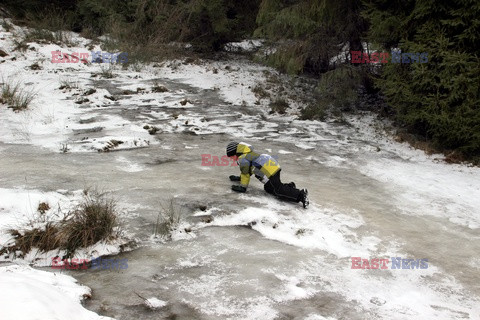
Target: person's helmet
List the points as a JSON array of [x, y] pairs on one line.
[[232, 149]]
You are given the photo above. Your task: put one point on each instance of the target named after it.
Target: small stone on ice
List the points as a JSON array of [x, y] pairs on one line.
[[154, 303]]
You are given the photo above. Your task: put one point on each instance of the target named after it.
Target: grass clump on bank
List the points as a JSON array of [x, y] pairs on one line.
[[45, 239], [15, 96], [94, 219]]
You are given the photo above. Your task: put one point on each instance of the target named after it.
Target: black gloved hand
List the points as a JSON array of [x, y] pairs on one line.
[[239, 188], [234, 178]]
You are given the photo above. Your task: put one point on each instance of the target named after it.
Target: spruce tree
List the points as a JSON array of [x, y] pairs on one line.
[[439, 99]]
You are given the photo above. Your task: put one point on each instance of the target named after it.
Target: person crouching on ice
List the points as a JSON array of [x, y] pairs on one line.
[[267, 170]]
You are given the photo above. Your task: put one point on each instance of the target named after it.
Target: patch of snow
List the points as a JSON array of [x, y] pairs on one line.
[[28, 293], [243, 46], [154, 303]]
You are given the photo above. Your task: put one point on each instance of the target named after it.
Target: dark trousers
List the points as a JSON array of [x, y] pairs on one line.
[[281, 190]]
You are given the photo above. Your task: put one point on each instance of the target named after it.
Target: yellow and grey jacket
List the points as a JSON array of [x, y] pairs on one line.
[[263, 166]]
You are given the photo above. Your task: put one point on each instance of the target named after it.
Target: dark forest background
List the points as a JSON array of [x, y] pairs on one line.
[[437, 102]]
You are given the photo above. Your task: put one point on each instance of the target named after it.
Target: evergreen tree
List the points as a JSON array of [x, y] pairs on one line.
[[212, 23], [439, 99], [312, 31]]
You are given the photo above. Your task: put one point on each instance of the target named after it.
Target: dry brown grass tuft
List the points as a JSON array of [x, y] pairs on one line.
[[44, 239]]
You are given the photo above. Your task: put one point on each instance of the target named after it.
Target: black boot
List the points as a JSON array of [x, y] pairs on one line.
[[304, 198]]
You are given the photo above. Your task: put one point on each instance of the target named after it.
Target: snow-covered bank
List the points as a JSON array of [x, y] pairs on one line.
[[423, 184], [33, 294], [20, 210]]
